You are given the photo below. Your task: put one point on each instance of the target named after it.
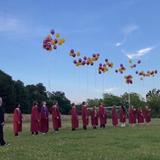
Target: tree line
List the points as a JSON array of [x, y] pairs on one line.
[[14, 92]]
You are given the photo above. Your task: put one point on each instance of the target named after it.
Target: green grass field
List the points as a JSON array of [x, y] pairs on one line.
[[139, 143]]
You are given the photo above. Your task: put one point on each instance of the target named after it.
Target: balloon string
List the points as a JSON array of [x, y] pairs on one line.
[[87, 85], [143, 86], [49, 76], [129, 95], [103, 84], [95, 83], [78, 82]]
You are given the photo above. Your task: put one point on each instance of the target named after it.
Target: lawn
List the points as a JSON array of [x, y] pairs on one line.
[[139, 143]]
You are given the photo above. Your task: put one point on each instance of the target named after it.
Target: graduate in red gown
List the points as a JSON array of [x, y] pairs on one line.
[[17, 120], [147, 115], [140, 116], [56, 117], [35, 119], [102, 116], [132, 116], [74, 117], [123, 116], [114, 117], [94, 117], [44, 118], [85, 115]]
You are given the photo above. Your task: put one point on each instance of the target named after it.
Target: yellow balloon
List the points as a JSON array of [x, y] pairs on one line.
[[63, 40], [78, 53], [60, 42], [57, 35], [53, 42]]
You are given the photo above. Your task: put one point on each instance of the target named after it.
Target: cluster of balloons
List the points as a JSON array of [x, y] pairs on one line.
[[128, 79], [105, 67], [52, 41], [143, 74], [135, 64], [72, 53], [87, 60], [121, 69]]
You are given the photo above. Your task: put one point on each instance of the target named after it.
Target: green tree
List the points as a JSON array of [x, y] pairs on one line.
[[64, 103], [94, 102], [110, 100], [153, 100], [135, 99]]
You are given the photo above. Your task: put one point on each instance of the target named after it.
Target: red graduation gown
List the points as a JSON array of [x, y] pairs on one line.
[[94, 117], [122, 115], [35, 117], [74, 118], [85, 115], [132, 116], [102, 115], [17, 121], [114, 116], [147, 115], [56, 117], [140, 116]]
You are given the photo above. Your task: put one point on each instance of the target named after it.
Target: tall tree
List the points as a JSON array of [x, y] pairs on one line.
[[135, 99], [153, 100]]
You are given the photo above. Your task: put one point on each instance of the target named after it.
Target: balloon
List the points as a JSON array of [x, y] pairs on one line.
[[78, 53], [72, 50], [51, 40], [75, 62], [52, 31], [139, 61], [54, 47], [80, 60], [85, 58], [94, 55], [106, 60], [60, 42], [57, 35]]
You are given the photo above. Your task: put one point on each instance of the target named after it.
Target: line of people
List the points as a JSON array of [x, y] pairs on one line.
[[40, 119]]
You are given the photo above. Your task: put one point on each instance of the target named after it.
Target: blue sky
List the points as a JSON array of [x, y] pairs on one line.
[[113, 28]]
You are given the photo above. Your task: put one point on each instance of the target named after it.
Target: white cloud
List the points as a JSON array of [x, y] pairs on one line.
[[110, 90], [130, 28], [140, 52], [8, 23], [127, 30]]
